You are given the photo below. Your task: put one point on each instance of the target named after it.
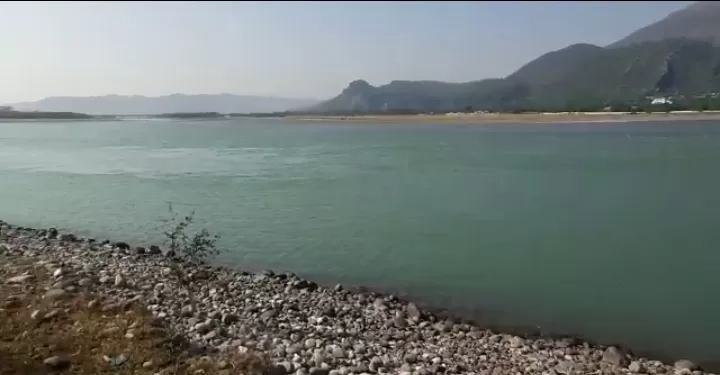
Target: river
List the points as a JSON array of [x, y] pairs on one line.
[[609, 230]]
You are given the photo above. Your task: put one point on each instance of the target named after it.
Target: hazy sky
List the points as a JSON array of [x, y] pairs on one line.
[[297, 49]]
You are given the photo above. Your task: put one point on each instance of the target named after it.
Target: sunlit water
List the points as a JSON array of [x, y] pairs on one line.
[[608, 230]]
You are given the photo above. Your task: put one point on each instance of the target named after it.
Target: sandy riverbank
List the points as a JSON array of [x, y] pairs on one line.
[[523, 118], [302, 327]]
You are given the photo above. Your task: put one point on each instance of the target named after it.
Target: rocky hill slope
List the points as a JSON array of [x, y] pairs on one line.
[[680, 62]]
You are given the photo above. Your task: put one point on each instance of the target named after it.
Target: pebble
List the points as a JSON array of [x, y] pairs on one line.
[[636, 367], [615, 356], [229, 319], [118, 361], [310, 343], [412, 311], [20, 279], [186, 311], [52, 314], [203, 327], [516, 342], [684, 364], [57, 362], [110, 331], [55, 294], [119, 280], [338, 352]]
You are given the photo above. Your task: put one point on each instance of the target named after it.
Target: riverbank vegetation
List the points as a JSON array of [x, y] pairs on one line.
[[20, 115], [701, 103]]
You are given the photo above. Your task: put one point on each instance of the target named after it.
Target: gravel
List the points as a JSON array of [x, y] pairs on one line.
[[303, 327]]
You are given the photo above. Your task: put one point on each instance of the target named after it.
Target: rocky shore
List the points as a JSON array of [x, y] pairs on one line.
[[303, 328]]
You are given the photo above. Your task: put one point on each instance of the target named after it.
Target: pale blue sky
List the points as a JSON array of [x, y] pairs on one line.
[[296, 49]]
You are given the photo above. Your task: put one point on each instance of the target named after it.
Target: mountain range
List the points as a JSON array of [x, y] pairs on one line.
[[143, 105], [676, 56]]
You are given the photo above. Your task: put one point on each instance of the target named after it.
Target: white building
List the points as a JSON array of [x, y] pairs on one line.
[[661, 100]]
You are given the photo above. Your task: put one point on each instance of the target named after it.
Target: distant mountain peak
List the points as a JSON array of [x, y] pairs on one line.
[[697, 21], [701, 6], [677, 55], [359, 84]]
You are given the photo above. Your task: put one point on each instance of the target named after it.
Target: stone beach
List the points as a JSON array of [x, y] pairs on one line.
[[304, 328]]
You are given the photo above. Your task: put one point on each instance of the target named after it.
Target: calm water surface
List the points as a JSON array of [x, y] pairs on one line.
[[608, 230]]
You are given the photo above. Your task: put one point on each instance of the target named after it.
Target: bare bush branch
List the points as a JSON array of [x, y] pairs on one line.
[[196, 247]]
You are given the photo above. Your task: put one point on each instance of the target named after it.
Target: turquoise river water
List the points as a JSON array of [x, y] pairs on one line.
[[609, 230]]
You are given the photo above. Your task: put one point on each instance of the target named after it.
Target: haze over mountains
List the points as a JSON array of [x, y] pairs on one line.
[[142, 105], [678, 55], [699, 21]]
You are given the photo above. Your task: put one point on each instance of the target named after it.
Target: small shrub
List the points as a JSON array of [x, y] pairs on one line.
[[195, 247]]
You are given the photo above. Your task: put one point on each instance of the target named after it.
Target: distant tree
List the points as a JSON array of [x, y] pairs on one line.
[[714, 104], [704, 106]]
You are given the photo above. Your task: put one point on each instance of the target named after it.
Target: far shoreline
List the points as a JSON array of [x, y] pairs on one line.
[[528, 118]]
